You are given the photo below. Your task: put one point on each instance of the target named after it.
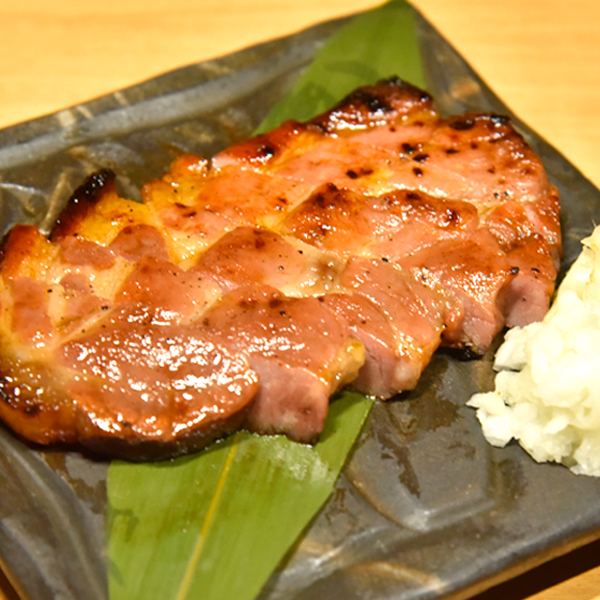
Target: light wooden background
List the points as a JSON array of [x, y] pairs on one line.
[[541, 56]]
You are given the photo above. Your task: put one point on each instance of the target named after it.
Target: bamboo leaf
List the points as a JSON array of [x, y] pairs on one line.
[[188, 528], [378, 44]]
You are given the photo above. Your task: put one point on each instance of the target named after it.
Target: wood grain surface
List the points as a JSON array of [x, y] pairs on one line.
[[541, 57]]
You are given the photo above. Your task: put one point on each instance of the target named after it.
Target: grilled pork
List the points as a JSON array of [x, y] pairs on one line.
[[246, 289]]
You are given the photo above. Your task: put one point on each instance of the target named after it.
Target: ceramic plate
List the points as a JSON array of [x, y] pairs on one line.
[[425, 508]]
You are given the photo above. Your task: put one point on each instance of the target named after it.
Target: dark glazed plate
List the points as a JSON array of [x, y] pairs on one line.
[[425, 508]]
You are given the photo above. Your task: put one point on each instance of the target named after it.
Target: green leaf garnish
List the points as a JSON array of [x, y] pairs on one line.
[[195, 527], [375, 45], [215, 525]]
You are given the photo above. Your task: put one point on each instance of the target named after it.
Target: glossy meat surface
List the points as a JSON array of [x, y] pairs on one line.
[[245, 290]]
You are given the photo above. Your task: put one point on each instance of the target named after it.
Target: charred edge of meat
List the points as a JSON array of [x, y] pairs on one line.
[[134, 450], [263, 148], [144, 450], [462, 123], [386, 97], [82, 200], [469, 120]]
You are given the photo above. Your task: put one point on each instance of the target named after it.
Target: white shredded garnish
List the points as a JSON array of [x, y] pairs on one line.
[[547, 389]]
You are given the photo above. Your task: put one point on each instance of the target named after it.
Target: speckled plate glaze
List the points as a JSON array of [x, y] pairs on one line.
[[425, 508]]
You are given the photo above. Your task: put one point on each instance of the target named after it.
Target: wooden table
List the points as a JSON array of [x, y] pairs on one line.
[[541, 56]]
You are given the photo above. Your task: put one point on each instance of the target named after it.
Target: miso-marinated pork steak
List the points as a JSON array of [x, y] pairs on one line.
[[246, 289]]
